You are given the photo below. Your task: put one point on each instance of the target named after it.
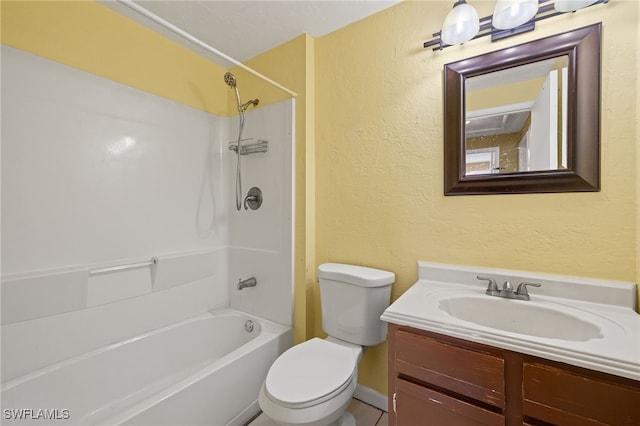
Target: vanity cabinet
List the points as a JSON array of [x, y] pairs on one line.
[[439, 380]]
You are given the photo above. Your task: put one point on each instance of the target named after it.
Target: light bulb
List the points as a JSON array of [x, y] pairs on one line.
[[571, 5], [461, 24], [513, 13]]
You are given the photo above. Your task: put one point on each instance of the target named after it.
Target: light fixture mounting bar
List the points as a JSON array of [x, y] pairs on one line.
[[545, 10]]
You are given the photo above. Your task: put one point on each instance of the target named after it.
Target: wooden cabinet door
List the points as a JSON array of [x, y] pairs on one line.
[[420, 406], [469, 373], [559, 396]]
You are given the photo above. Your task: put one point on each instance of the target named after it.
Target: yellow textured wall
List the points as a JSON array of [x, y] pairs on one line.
[[89, 36], [636, 176], [379, 161], [507, 94]]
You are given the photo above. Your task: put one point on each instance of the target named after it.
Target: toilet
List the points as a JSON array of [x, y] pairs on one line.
[[312, 383]]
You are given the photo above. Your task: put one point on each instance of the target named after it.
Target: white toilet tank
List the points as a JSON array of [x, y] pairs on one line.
[[352, 299]]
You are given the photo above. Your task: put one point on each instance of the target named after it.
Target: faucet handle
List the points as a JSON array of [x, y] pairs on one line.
[[492, 288], [253, 199], [507, 287], [522, 288]]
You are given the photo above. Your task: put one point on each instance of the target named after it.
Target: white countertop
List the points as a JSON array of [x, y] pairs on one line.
[[616, 350]]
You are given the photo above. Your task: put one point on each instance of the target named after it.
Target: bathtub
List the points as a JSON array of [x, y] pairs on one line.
[[205, 370]]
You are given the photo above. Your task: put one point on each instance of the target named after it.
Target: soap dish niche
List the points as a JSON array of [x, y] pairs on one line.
[[249, 146]]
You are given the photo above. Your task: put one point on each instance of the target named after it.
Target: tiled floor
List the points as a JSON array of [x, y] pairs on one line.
[[365, 415]]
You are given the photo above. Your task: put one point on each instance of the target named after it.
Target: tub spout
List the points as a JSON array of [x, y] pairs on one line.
[[249, 282]]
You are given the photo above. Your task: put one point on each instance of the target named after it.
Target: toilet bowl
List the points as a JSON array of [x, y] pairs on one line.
[[312, 383]]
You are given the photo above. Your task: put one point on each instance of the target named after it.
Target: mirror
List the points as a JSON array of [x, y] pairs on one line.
[[526, 118]]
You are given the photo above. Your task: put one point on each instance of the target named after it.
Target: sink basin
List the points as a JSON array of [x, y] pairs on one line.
[[523, 317]]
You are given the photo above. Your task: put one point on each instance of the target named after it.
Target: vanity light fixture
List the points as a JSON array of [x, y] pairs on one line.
[[510, 17]]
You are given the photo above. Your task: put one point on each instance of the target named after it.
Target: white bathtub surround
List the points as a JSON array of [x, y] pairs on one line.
[[268, 299], [48, 337], [45, 293], [261, 241], [603, 327], [28, 296], [203, 370], [96, 174]]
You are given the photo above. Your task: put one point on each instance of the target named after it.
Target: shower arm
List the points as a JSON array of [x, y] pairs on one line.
[[246, 105]]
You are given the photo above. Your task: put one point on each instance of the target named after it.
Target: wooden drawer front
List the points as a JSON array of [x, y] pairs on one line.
[[562, 397], [417, 405], [473, 374]]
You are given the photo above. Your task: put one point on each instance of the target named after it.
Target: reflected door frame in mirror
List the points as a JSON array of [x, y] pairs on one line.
[[582, 46]]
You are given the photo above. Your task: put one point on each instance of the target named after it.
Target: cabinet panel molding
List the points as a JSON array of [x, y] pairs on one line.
[[417, 405], [551, 394], [470, 373]]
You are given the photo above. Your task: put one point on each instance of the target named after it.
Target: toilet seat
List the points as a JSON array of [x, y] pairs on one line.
[[310, 373]]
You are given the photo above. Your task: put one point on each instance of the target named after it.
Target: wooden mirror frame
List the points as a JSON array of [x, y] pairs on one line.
[[583, 117]]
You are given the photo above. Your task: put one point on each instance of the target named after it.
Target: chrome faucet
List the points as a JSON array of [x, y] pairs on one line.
[[507, 292], [249, 282]]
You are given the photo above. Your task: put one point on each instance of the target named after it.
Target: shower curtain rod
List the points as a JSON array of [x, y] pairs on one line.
[[158, 20]]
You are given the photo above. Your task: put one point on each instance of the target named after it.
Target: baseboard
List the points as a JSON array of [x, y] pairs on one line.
[[371, 397]]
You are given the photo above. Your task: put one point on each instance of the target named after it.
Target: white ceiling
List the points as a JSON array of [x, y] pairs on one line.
[[243, 29]]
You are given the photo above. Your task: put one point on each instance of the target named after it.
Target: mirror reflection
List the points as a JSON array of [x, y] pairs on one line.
[[515, 119]]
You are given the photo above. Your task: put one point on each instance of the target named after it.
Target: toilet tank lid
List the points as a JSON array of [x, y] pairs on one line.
[[357, 275]]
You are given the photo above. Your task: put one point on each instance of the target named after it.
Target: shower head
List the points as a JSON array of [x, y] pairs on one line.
[[230, 79]]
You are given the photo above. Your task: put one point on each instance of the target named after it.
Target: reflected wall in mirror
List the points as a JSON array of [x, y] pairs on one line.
[[523, 119], [519, 115]]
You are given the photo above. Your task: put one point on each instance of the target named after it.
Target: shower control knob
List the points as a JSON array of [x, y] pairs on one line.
[[253, 199]]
